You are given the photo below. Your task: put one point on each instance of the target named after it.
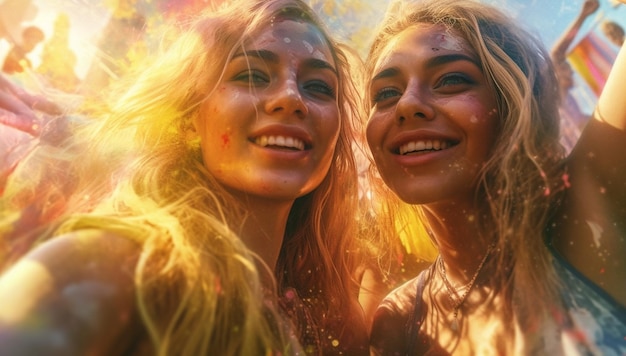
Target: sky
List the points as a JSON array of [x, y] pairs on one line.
[[547, 18]]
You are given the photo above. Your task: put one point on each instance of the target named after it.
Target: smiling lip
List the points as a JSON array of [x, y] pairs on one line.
[[420, 146], [280, 142], [289, 138], [418, 142]]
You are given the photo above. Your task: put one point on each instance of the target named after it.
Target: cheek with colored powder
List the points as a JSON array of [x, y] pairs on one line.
[[225, 137]]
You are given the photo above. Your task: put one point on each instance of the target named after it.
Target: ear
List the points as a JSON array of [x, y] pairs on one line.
[[194, 121], [192, 139], [199, 114], [192, 125], [190, 129]]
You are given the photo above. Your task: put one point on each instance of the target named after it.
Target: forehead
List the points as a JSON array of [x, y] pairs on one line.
[[294, 37], [426, 40]]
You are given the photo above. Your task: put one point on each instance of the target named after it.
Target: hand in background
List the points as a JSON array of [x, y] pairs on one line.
[[18, 108], [589, 7]]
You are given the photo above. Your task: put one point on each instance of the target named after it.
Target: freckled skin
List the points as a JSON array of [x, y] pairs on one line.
[[451, 99], [225, 140], [285, 91]]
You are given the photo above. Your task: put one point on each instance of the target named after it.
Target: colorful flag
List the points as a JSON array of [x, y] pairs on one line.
[[592, 59]]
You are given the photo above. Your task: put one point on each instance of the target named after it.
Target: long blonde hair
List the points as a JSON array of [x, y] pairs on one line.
[[521, 181], [136, 172]]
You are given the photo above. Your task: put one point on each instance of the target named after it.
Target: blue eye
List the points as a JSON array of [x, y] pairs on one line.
[[251, 76], [319, 86], [454, 79], [385, 93]]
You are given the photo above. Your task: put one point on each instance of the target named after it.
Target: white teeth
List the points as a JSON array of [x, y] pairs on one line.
[[411, 146], [416, 146], [282, 141]]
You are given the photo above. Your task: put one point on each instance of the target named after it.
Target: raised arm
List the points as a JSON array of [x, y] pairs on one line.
[[559, 50], [611, 106], [592, 232], [606, 139]]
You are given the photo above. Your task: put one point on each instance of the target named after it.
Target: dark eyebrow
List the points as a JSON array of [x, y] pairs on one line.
[[387, 73], [431, 63], [320, 64], [448, 58]]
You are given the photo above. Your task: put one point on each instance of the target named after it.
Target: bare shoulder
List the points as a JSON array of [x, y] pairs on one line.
[[71, 294], [87, 253], [391, 319]]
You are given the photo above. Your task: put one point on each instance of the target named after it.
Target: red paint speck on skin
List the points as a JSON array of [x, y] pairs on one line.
[[225, 140], [546, 192], [602, 270], [579, 335], [566, 180]]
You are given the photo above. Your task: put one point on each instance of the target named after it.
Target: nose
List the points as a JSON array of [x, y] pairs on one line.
[[414, 103], [286, 99]]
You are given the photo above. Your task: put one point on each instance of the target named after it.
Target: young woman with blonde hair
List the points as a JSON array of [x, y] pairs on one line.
[[209, 210], [464, 126]]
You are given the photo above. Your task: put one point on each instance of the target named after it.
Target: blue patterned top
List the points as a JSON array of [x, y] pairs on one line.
[[597, 322]]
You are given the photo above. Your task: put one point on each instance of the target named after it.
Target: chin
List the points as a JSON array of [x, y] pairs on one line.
[[423, 194], [280, 192]]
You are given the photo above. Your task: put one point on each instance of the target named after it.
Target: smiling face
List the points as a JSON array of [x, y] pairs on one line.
[[434, 119], [270, 127]]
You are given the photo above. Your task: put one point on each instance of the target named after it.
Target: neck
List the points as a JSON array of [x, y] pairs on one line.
[[459, 237], [263, 229]]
